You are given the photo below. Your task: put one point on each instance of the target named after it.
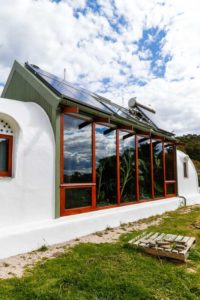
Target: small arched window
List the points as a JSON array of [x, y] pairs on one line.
[[6, 145]]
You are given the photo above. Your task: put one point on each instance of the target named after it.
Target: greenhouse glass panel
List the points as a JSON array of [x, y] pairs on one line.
[[106, 166], [144, 168], [169, 161], [127, 168], [157, 148], [77, 197], [77, 151], [170, 189]]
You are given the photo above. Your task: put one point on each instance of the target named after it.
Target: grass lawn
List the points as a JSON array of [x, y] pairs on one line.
[[114, 271]]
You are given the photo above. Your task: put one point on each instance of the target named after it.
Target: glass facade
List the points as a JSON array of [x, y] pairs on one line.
[[103, 166], [106, 169], [127, 167]]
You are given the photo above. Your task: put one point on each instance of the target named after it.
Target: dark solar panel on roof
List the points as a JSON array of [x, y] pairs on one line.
[[69, 90], [83, 96]]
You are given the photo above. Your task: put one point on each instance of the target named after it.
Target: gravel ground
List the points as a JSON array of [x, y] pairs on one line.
[[14, 266]]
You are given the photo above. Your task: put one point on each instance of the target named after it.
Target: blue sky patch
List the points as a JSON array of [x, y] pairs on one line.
[[151, 44]]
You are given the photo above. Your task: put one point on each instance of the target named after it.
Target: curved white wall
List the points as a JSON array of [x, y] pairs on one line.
[[28, 196], [187, 187]]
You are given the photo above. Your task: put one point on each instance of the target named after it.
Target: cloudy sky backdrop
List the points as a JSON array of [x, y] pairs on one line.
[[118, 48]]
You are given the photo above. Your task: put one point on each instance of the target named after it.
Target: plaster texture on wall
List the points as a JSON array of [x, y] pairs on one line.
[[28, 196], [187, 187]]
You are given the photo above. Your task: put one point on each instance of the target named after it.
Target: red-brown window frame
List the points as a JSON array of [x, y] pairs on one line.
[[63, 185], [166, 182], [139, 199], [161, 140], [92, 185], [8, 173]]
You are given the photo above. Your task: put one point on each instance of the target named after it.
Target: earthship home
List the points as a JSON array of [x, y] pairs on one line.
[[73, 162]]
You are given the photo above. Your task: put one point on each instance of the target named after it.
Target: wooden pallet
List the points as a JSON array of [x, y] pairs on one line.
[[166, 245]]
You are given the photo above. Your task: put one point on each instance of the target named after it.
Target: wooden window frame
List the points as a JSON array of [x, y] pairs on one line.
[[139, 199], [174, 181], [63, 185], [161, 140], [8, 173], [92, 184]]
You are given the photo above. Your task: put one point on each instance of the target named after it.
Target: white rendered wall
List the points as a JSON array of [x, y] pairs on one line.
[[187, 187], [21, 239], [28, 196]]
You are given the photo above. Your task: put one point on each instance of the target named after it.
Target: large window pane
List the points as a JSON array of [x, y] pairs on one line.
[[158, 168], [106, 185], [127, 168], [75, 198], [3, 155], [144, 167], [77, 151], [169, 161]]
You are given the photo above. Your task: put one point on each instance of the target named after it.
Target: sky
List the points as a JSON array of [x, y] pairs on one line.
[[149, 49]]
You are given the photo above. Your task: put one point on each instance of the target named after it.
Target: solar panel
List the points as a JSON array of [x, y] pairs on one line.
[[62, 87], [83, 96], [151, 116], [117, 110]]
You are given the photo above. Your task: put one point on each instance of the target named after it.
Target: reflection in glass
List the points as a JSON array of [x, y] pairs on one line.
[[106, 175], [77, 151], [75, 198], [170, 188], [158, 168], [3, 155], [169, 161], [144, 167], [127, 168]]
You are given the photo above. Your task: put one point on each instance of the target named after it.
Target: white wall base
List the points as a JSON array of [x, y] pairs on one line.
[[21, 239]]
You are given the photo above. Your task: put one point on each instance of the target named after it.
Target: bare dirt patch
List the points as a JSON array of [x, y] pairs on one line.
[[14, 266]]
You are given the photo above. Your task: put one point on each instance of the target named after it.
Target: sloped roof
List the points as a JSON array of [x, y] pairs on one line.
[[79, 95], [30, 83]]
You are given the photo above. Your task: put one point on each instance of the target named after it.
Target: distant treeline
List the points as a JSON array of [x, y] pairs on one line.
[[191, 147]]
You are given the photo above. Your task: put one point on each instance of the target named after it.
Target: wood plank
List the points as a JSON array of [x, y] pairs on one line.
[[179, 238], [144, 238], [170, 237], [165, 245]]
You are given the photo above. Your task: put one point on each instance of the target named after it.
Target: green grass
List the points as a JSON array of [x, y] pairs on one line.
[[113, 271]]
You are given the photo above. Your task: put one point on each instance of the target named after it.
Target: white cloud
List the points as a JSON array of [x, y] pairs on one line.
[[48, 34]]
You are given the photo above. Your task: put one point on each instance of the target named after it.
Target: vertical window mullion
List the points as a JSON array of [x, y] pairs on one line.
[[118, 166], [93, 165], [137, 169], [164, 169], [152, 169]]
